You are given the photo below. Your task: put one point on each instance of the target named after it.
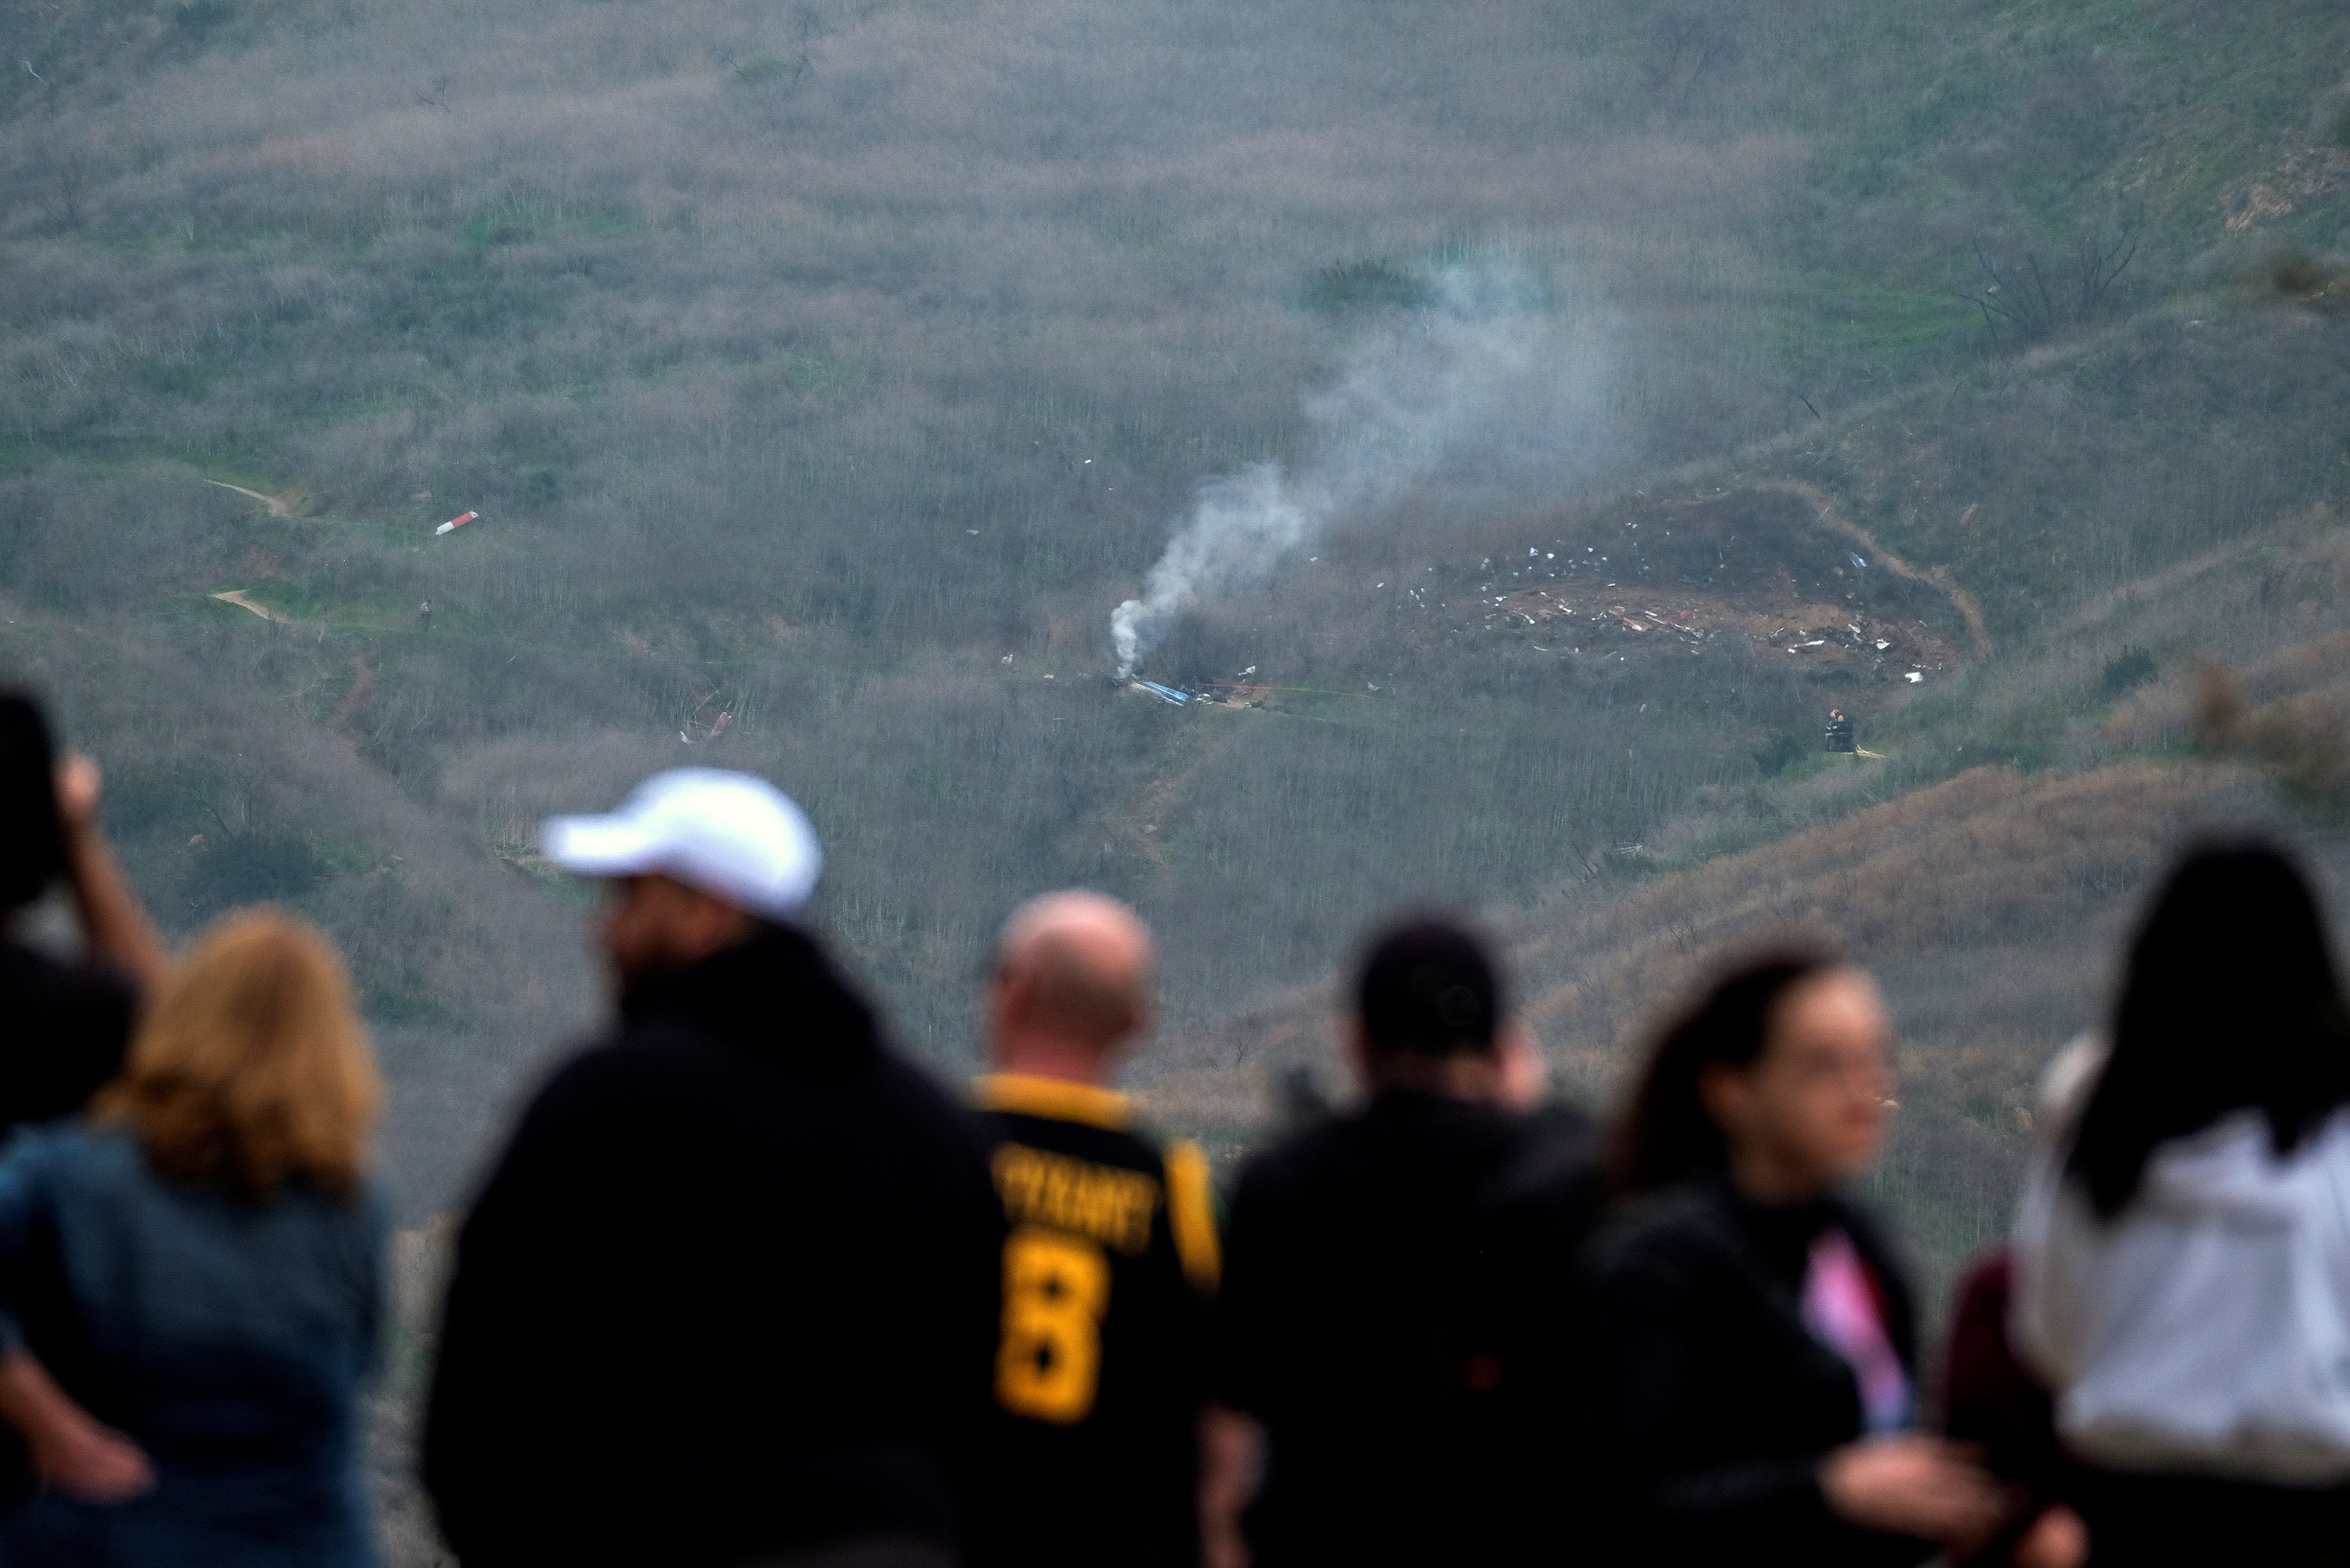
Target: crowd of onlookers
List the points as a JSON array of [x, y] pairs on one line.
[[746, 1288]]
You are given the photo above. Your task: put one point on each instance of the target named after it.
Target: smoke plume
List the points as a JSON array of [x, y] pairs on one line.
[[1491, 372]]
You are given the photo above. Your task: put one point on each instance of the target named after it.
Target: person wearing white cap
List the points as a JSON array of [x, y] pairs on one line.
[[730, 1296]]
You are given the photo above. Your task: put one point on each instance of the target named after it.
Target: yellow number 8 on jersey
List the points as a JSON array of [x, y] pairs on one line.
[[1056, 1289]]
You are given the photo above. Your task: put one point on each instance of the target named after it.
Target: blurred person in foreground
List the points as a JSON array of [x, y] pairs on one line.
[[1754, 1344], [1394, 1337], [2183, 1263], [1999, 1407], [730, 1295], [1110, 1264], [194, 1278], [1990, 1399], [64, 1026]]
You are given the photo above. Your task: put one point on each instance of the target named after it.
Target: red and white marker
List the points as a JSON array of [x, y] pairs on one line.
[[454, 524]]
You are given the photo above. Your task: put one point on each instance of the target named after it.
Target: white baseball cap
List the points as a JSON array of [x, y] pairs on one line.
[[733, 835]]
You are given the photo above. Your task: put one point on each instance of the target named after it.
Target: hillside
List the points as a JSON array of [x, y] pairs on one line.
[[1987, 867], [839, 369]]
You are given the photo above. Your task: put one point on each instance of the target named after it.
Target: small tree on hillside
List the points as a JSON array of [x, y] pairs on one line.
[[2034, 298]]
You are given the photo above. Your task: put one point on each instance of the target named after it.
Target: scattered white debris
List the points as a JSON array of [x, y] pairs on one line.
[[1882, 644], [1914, 676]]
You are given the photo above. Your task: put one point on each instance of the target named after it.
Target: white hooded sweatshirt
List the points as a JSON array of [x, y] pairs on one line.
[[2205, 1329]]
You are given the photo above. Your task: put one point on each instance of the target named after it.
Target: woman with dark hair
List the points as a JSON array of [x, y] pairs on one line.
[[1755, 1365], [2183, 1268]]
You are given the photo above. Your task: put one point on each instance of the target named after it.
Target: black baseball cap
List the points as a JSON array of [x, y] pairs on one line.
[[32, 845], [1429, 988]]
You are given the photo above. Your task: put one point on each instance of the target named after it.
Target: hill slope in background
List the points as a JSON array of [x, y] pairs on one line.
[[824, 375], [837, 370]]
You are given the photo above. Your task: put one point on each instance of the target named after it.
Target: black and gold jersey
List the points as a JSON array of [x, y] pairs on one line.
[[1109, 1267]]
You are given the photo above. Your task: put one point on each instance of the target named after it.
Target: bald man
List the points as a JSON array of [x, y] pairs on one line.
[[1110, 1263]]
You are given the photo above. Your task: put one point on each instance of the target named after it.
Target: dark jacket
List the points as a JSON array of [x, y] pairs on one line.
[[1713, 1404], [1393, 1305], [1993, 1401], [731, 1288], [64, 1029], [230, 1338]]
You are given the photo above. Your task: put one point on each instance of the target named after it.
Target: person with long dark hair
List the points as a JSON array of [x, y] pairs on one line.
[[1754, 1378], [2183, 1264]]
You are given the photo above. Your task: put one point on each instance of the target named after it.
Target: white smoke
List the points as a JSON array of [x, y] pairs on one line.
[[1489, 371]]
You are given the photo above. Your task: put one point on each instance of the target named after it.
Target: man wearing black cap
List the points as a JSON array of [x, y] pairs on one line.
[[64, 1025], [1393, 1332]]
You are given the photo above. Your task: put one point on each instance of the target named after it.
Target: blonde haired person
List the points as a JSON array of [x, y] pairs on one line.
[[190, 1280]]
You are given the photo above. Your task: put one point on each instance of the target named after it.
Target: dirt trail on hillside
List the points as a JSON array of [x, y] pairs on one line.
[[1161, 797], [280, 506], [362, 682], [236, 597], [1935, 577]]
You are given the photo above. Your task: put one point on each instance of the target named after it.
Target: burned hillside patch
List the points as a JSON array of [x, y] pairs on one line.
[[1772, 565]]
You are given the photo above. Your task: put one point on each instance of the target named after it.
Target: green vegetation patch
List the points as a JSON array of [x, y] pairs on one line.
[[255, 866], [2127, 671], [1884, 322], [529, 222], [1346, 288]]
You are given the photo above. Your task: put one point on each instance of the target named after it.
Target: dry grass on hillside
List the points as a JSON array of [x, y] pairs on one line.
[[1990, 907], [1990, 858]]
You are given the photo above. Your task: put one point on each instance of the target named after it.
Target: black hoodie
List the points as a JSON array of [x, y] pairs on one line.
[[1713, 1403], [730, 1289], [1397, 1310]]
